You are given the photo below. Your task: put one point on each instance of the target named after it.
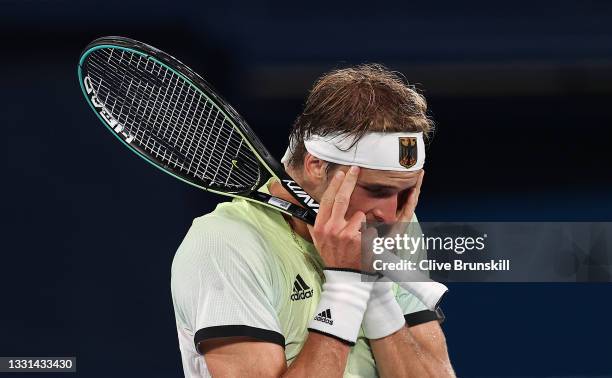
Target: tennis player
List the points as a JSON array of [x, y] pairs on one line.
[[257, 293]]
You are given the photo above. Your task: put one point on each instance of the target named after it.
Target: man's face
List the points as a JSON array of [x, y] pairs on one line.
[[380, 194]]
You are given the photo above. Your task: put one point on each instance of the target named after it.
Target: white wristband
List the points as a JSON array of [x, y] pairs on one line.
[[384, 316], [343, 301]]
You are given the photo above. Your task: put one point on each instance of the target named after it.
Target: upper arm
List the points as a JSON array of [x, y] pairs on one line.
[[223, 296], [243, 357]]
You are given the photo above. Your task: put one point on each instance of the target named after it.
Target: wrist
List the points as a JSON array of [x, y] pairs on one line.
[[383, 315], [343, 302]]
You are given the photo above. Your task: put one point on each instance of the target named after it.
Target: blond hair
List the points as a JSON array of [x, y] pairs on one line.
[[357, 100]]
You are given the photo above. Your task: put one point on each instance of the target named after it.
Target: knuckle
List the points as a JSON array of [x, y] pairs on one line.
[[348, 236], [341, 199], [329, 230], [326, 201], [317, 235], [338, 232], [318, 230]]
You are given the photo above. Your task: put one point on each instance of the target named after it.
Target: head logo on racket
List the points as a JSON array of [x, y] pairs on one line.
[[104, 113]]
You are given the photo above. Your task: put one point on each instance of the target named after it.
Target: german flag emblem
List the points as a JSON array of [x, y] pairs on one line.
[[407, 151]]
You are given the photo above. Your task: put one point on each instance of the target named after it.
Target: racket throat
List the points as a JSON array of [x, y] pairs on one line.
[[300, 194]]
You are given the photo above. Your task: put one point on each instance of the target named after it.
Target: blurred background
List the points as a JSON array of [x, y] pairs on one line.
[[520, 91]]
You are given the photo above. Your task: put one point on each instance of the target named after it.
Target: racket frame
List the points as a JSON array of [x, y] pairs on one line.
[[306, 212]]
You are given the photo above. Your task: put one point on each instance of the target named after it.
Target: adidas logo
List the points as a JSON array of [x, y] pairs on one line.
[[300, 289], [325, 317]]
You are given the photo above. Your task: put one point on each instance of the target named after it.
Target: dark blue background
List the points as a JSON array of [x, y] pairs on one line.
[[520, 92]]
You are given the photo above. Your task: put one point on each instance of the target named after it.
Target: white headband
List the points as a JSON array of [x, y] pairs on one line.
[[382, 151]]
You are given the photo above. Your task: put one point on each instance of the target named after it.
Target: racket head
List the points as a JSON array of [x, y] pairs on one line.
[[193, 134]]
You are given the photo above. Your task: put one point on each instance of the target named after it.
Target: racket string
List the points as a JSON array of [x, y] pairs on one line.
[[169, 125], [223, 131]]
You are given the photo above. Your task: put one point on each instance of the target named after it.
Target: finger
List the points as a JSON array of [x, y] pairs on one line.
[[343, 196], [353, 226], [412, 200], [368, 234], [327, 200], [356, 228], [420, 180], [402, 199]]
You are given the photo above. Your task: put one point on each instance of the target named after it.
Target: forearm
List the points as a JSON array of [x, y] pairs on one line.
[[336, 325], [400, 355], [321, 356]]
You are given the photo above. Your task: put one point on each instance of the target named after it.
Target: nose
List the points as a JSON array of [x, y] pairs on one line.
[[385, 209]]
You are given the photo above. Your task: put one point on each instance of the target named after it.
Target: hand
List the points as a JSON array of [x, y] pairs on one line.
[[339, 240], [406, 212], [404, 215]]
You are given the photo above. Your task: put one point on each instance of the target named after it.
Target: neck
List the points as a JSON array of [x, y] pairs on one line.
[[299, 227]]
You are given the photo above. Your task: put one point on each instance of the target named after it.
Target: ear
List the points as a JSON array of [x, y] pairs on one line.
[[314, 170]]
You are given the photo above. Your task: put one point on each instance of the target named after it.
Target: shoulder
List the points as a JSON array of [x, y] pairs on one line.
[[232, 222], [228, 235], [222, 255]]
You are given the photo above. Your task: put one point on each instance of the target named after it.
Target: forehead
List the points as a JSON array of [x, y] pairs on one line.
[[378, 177]]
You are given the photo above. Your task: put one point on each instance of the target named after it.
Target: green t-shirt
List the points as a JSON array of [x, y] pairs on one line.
[[241, 271]]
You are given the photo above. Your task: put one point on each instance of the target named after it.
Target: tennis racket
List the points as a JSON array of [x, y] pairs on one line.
[[173, 119]]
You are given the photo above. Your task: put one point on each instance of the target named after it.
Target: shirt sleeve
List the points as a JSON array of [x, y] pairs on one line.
[[221, 287]]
